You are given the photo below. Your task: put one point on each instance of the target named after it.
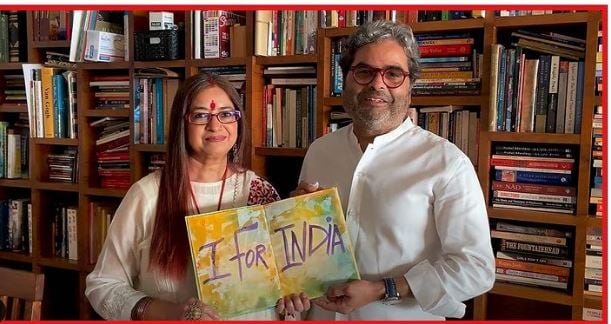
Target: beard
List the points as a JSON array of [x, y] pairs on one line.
[[376, 120]]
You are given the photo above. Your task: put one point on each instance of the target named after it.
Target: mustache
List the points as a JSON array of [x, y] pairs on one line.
[[373, 93]]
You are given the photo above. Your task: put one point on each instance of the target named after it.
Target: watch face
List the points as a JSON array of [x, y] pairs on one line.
[[391, 300]]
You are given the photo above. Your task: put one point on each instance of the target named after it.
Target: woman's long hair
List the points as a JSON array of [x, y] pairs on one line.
[[169, 245]]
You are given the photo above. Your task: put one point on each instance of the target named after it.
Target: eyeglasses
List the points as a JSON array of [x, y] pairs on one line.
[[392, 77], [203, 118]]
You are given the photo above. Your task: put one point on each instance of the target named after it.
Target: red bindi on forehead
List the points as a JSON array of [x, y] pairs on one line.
[[212, 105]]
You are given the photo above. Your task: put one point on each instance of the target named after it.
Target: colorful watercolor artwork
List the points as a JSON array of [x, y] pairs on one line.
[[246, 258]]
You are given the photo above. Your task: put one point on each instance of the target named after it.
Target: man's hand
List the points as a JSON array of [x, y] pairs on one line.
[[292, 304], [349, 296], [305, 188]]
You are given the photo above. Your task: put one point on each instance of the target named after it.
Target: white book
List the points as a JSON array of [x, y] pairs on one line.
[[571, 97], [72, 233], [30, 96], [13, 162], [197, 34]]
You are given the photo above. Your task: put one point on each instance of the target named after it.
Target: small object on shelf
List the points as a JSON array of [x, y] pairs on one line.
[[159, 45]]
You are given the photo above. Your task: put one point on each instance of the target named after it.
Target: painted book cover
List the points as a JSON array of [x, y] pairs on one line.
[[246, 258]]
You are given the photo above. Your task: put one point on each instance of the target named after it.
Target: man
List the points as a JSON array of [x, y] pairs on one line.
[[414, 207]]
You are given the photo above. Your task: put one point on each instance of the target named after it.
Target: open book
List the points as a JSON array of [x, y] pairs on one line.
[[246, 258]]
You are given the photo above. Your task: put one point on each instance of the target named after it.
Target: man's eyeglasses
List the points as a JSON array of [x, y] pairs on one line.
[[225, 117], [392, 77]]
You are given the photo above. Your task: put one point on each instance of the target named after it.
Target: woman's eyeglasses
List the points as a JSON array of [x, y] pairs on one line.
[[393, 77], [224, 117]]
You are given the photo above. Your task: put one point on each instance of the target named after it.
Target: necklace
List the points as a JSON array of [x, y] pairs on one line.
[[218, 207]]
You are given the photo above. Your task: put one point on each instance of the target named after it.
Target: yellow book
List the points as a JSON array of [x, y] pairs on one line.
[[246, 258], [47, 101]]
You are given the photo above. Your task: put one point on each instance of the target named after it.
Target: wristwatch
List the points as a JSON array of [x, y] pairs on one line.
[[391, 296]]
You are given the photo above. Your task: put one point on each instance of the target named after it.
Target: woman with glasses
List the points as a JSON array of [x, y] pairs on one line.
[[144, 270], [414, 207]]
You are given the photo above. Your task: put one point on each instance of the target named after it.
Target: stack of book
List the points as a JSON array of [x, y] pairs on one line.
[[14, 90], [593, 276], [156, 162], [112, 152], [534, 177], [63, 165], [450, 65], [110, 91], [531, 254]]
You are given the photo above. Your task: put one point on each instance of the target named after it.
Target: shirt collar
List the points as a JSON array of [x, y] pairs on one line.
[[388, 137]]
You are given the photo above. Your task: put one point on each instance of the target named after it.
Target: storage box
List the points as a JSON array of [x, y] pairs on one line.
[[104, 47], [160, 20], [159, 45]]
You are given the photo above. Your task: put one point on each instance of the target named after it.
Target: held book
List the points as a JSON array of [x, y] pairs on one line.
[[246, 258]]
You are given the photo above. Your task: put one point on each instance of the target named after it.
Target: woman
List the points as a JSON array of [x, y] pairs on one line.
[[144, 270]]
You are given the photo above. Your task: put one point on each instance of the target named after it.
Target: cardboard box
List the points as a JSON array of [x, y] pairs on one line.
[[160, 20], [104, 47]]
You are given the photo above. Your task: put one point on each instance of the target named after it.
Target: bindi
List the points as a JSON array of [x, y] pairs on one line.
[[212, 104]]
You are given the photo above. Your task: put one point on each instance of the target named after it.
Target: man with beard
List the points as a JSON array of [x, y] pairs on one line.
[[414, 207]]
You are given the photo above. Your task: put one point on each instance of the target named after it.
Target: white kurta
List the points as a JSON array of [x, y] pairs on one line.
[[121, 276], [414, 207]]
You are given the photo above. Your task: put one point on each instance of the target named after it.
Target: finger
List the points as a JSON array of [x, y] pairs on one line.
[[288, 304], [337, 291], [305, 301], [297, 304], [280, 306], [325, 304]]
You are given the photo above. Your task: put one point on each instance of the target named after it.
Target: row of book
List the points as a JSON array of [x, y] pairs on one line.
[[14, 146], [596, 183], [537, 86], [13, 37], [457, 124], [16, 225], [286, 32], [437, 15], [153, 99], [538, 12], [51, 101], [534, 177], [218, 33], [593, 277], [534, 255], [50, 25], [64, 231], [99, 36], [100, 216]]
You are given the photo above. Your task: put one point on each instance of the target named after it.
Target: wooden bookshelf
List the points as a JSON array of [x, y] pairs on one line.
[[262, 159]]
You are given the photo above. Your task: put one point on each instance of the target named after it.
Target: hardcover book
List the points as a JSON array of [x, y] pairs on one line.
[[246, 258]]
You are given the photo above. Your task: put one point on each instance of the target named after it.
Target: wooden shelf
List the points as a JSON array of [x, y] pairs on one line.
[[61, 263], [598, 101], [447, 25], [339, 32], [538, 294], [448, 100], [156, 148], [287, 60], [332, 101], [541, 20], [593, 221], [103, 65], [56, 186], [532, 137], [51, 44], [592, 301], [15, 256], [106, 192], [11, 66], [280, 151], [13, 108], [55, 141], [15, 183], [228, 61], [166, 64], [124, 112], [532, 216]]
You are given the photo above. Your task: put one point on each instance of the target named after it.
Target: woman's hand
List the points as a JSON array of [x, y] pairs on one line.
[[292, 304], [195, 310], [305, 188]]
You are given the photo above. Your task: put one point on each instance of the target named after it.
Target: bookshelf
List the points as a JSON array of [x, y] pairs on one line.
[[281, 164]]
